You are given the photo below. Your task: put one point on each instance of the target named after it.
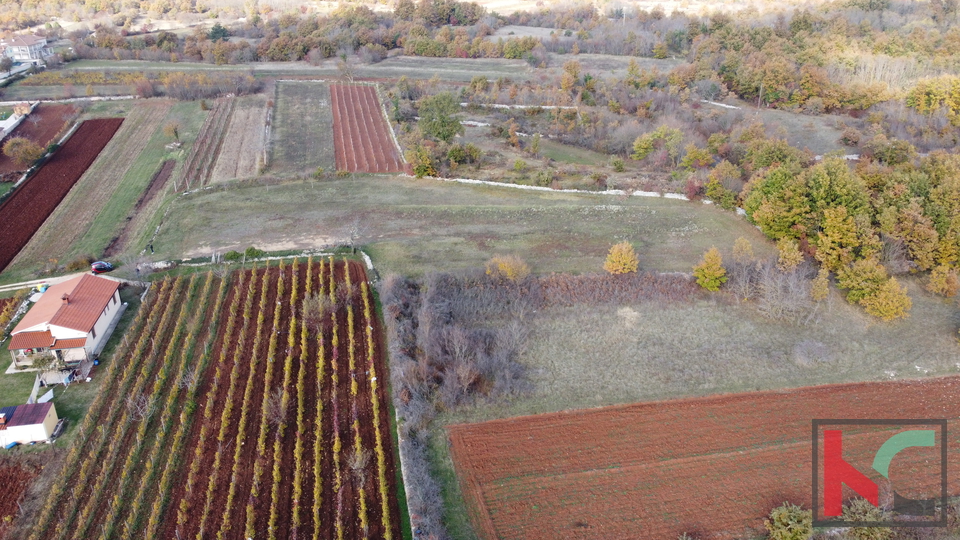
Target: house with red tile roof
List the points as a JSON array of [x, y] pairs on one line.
[[70, 321], [27, 423]]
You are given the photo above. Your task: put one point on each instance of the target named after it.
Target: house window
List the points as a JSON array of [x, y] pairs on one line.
[[93, 332], [114, 298]]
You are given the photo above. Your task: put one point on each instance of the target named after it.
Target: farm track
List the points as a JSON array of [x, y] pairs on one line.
[[361, 138], [74, 216], [654, 470], [157, 183], [201, 447], [203, 154], [41, 126], [24, 212]]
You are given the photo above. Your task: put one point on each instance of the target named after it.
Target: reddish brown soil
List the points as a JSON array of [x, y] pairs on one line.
[[14, 477], [50, 120], [361, 135], [156, 185], [715, 465], [346, 403], [25, 211]]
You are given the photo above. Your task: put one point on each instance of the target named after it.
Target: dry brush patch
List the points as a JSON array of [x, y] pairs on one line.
[[242, 155], [654, 470], [71, 220], [25, 211]]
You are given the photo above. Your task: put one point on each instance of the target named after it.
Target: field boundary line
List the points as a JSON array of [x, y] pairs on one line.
[[393, 136]]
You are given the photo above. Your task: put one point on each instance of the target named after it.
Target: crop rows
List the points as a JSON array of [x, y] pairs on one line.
[[229, 412], [203, 154]]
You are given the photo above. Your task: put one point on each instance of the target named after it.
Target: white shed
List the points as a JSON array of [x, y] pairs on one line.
[[27, 423]]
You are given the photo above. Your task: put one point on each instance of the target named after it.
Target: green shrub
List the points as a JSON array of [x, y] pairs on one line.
[[789, 522], [252, 252]]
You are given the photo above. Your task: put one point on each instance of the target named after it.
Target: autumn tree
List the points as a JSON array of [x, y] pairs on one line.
[[918, 234], [622, 259], [172, 130], [837, 240], [789, 255], [720, 184], [710, 273], [662, 137], [861, 279], [820, 287], [439, 118], [776, 201], [943, 281], [22, 150], [507, 267], [742, 250]]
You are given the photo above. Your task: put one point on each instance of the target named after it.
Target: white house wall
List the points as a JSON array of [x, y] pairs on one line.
[[100, 328], [60, 332]]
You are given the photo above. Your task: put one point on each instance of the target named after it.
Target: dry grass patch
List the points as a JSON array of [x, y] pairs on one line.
[[303, 130], [242, 153]]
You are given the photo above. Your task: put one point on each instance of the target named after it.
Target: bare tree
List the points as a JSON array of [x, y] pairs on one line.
[[275, 412], [140, 406], [315, 307]]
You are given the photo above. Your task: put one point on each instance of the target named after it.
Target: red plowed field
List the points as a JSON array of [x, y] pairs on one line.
[[268, 421], [23, 213], [41, 126], [361, 135], [715, 466], [15, 478]]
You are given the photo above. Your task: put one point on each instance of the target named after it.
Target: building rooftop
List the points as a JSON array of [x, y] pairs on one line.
[[28, 415], [86, 297]]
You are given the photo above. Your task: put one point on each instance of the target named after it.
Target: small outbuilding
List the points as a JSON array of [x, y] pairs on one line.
[[25, 424]]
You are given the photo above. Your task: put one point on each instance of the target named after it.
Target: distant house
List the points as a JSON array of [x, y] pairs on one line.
[[27, 423], [69, 321], [26, 48]]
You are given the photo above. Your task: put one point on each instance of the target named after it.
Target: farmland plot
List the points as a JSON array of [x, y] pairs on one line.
[[252, 417], [71, 220], [203, 154], [362, 136], [302, 137], [41, 126], [15, 477], [244, 142], [653, 470], [25, 211]]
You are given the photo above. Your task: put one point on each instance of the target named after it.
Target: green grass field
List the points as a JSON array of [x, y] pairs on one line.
[[414, 226]]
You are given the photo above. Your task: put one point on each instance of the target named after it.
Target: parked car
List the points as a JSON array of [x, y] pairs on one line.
[[101, 267]]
